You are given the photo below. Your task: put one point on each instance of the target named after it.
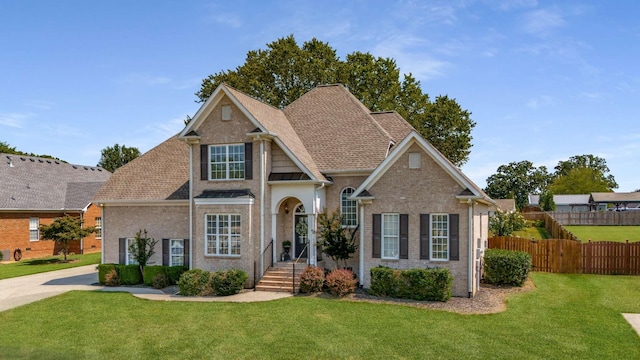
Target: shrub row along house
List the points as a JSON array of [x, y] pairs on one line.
[[34, 191], [240, 178]]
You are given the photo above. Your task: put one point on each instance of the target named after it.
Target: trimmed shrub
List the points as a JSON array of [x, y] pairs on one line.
[[229, 282], [505, 267], [174, 273], [130, 274], [341, 282], [103, 270], [311, 279], [112, 278], [150, 273], [160, 281], [195, 282], [417, 284]]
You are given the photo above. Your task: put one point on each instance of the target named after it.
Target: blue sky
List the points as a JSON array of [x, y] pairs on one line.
[[545, 80]]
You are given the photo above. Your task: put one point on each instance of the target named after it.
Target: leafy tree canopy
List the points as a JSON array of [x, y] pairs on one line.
[[116, 156], [516, 181], [7, 149], [285, 71], [505, 223], [65, 229], [580, 180]]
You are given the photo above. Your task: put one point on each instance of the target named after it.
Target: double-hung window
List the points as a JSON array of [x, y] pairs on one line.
[[98, 228], [34, 229], [390, 236], [348, 208], [440, 236], [131, 260], [226, 162], [222, 234], [176, 257]]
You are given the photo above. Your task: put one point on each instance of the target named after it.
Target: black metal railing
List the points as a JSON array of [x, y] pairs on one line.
[[263, 270], [293, 281]]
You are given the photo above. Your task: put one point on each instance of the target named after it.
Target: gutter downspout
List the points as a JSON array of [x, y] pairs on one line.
[[262, 174], [361, 246], [314, 261], [103, 232], [81, 226], [470, 242], [191, 242]]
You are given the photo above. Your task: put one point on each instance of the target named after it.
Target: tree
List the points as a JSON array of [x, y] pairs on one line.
[[505, 223], [583, 174], [7, 149], [116, 156], [65, 229], [285, 71], [546, 202], [516, 181], [580, 181], [142, 249], [337, 241]]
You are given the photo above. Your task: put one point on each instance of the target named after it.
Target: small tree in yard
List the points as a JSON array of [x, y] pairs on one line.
[[337, 241], [65, 229], [142, 249], [505, 223]]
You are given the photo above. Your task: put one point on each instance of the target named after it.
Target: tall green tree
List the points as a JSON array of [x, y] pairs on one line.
[[583, 174], [335, 240], [65, 229], [546, 202], [8, 149], [142, 249], [284, 71], [516, 181], [116, 156]]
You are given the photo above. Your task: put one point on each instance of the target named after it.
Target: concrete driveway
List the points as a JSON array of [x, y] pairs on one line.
[[23, 290]]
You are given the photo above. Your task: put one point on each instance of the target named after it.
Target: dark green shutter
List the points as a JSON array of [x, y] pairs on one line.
[[424, 236], [248, 160], [166, 249], [454, 237], [204, 162], [377, 232], [186, 252], [404, 236], [122, 251]]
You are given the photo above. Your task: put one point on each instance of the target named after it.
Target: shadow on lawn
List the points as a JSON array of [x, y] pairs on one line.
[[47, 261]]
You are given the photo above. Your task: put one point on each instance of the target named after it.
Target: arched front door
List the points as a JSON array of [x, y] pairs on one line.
[[300, 232]]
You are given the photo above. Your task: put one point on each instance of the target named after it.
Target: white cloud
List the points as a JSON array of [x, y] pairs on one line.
[[14, 120], [542, 22], [39, 104], [408, 51]]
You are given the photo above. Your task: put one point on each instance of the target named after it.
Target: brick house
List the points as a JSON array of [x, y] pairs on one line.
[[237, 181], [34, 191]]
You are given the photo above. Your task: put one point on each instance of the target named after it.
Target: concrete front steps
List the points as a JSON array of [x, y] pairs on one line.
[[279, 278]]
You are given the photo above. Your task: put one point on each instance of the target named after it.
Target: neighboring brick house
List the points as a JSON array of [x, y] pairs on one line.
[[233, 185], [34, 191]]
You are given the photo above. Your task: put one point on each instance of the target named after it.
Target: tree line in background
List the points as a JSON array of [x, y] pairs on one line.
[[581, 174], [8, 149]]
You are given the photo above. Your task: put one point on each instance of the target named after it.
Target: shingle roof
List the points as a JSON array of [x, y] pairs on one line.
[[394, 124], [161, 173], [337, 130], [611, 197], [225, 194], [506, 204], [33, 183]]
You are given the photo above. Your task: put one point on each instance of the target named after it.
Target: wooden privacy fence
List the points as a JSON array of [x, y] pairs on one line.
[[604, 218], [571, 256]]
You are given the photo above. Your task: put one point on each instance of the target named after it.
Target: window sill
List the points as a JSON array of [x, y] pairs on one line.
[[214, 256]]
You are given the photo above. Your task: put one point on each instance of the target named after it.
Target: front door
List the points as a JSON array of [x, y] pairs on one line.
[[300, 234]]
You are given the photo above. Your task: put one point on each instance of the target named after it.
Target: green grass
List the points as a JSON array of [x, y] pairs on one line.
[[35, 266], [538, 233], [566, 317], [606, 233]]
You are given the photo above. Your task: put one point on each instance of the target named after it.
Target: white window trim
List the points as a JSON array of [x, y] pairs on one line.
[[382, 236], [171, 252], [227, 162], [206, 235], [98, 228], [37, 229], [355, 206], [431, 227], [127, 259]]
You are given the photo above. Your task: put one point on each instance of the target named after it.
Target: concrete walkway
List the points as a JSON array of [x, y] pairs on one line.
[[23, 290]]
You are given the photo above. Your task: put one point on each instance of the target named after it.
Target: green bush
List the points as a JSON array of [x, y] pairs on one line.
[[129, 274], [311, 279], [417, 284], [112, 278], [150, 273], [228, 282], [160, 281], [341, 282], [103, 270], [174, 273], [195, 282], [505, 267]]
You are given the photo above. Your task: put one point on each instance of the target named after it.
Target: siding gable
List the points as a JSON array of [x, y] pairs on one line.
[[281, 162]]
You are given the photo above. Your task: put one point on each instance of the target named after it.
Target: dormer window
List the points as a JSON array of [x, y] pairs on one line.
[[226, 112]]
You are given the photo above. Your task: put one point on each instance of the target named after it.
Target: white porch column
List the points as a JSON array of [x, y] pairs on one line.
[[311, 235], [273, 237]]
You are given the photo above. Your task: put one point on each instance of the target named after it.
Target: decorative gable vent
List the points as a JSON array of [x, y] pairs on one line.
[[226, 112], [415, 160]]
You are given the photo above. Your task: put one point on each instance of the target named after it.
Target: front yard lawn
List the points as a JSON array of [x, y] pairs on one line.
[[566, 317], [51, 263], [606, 233]]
